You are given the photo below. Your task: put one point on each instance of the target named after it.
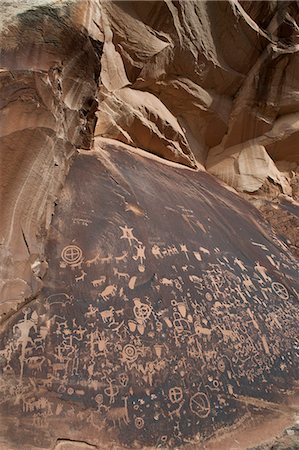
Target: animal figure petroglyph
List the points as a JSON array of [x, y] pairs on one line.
[[94, 260], [120, 275], [91, 312], [81, 277], [116, 415], [30, 405], [58, 367], [123, 257], [195, 279], [119, 312], [166, 282], [99, 282], [156, 251], [35, 362], [109, 291], [108, 314], [106, 259]]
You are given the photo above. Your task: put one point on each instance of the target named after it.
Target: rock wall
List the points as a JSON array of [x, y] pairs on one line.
[[143, 303]]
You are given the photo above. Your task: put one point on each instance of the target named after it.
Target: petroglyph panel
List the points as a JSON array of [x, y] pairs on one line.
[[156, 320]]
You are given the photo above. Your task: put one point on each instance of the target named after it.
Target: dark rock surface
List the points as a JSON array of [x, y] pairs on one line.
[[169, 312]]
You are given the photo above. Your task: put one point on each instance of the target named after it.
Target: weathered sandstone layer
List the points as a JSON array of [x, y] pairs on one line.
[[144, 303]]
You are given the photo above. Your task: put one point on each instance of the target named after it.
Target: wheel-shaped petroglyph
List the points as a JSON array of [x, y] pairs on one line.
[[141, 310], [175, 394], [71, 254], [200, 405], [280, 290]]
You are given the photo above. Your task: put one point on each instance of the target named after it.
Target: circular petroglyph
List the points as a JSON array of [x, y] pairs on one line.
[[139, 423], [221, 365], [142, 311], [175, 394], [71, 254], [200, 405], [209, 296], [130, 353], [280, 290]]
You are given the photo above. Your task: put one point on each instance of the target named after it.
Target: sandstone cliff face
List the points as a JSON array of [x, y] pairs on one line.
[[142, 302]]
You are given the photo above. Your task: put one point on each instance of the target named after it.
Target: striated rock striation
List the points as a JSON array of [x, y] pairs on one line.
[[144, 303]]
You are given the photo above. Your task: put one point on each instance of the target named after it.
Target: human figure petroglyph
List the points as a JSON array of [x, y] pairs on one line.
[[140, 256], [128, 235], [111, 391], [240, 264], [24, 327], [92, 311], [272, 261], [183, 248], [79, 332], [262, 271]]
